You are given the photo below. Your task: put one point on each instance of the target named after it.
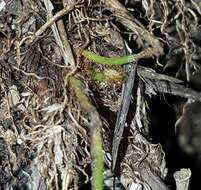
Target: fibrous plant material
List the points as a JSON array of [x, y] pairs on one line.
[[60, 36], [54, 18], [146, 166], [129, 21], [61, 75]]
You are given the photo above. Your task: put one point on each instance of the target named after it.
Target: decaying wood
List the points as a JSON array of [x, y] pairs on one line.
[[166, 84]]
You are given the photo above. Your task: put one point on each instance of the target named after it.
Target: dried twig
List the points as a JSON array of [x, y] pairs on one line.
[[122, 112], [174, 89], [58, 15], [60, 36], [66, 46], [53, 19], [166, 84]]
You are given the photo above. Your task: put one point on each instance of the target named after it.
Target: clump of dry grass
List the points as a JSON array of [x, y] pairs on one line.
[[44, 126]]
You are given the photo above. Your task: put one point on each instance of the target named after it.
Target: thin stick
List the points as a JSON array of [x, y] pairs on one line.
[[66, 45], [53, 19]]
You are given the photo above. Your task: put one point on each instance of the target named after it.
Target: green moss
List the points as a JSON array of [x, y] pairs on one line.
[[100, 77]]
